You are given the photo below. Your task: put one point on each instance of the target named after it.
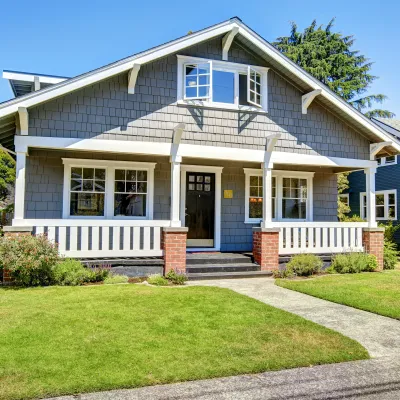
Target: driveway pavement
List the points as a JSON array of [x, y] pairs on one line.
[[375, 379]]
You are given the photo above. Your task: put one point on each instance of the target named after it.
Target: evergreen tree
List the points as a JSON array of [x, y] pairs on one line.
[[329, 57], [7, 179]]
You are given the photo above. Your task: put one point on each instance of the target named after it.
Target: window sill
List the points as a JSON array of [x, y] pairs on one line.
[[220, 106], [252, 221]]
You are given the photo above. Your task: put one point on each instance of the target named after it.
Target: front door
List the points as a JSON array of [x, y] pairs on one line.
[[200, 209]]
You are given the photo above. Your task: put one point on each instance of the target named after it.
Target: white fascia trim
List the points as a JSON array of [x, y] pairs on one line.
[[107, 163], [276, 172], [115, 68], [20, 76], [22, 143], [201, 168]]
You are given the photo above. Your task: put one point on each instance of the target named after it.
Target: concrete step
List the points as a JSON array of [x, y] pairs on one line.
[[228, 275], [218, 258], [197, 268]]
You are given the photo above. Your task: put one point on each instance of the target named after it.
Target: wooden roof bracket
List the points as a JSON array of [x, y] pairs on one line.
[[227, 42], [307, 99]]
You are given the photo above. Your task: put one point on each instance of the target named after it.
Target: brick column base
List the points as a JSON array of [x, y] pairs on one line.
[[174, 246], [266, 248], [373, 243], [10, 232]]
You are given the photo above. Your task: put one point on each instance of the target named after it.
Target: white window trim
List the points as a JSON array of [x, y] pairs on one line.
[[279, 175], [222, 66], [386, 205], [384, 164], [346, 196], [110, 167]]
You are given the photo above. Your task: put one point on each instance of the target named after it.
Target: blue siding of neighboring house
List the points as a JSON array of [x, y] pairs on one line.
[[387, 178]]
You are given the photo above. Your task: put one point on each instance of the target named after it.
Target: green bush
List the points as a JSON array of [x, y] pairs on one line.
[[30, 259], [351, 263], [353, 218], [70, 272], [303, 265], [390, 230], [176, 278], [157, 280], [390, 255], [98, 274], [113, 279]]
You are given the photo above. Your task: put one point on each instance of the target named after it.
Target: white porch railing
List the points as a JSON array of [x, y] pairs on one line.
[[319, 237], [97, 238]]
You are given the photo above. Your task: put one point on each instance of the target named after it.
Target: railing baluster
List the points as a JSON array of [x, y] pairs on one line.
[[324, 239], [95, 238], [73, 238], [146, 238], [136, 238], [303, 237], [352, 238], [105, 238], [295, 238], [127, 238], [116, 238], [310, 242], [62, 239], [156, 238], [84, 238]]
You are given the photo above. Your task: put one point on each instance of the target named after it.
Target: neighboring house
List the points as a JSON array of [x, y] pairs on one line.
[[387, 183], [216, 131]]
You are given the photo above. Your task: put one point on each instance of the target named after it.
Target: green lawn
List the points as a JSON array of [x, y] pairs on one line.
[[370, 291], [61, 340]]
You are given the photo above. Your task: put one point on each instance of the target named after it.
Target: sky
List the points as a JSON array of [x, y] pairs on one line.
[[72, 37]]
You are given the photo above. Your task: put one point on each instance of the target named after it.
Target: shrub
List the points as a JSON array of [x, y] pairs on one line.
[[390, 254], [70, 272], [113, 279], [98, 274], [390, 230], [303, 265], [30, 259], [351, 263], [176, 278], [353, 218], [157, 280]]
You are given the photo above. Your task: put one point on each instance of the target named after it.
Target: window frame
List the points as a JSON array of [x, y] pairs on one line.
[[383, 162], [225, 66], [386, 204], [110, 167], [346, 196], [279, 175]]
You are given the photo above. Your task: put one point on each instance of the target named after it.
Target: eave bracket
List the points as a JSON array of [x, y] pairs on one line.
[[307, 99], [176, 140], [132, 77], [227, 42], [23, 119]]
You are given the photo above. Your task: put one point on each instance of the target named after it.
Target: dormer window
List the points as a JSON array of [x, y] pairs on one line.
[[222, 84]]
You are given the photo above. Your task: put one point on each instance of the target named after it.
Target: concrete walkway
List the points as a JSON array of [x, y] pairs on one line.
[[375, 379], [379, 335]]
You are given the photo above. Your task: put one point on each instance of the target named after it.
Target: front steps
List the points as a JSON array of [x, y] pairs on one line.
[[222, 266]]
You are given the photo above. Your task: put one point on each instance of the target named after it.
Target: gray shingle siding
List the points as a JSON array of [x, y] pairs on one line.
[[44, 192], [105, 110]]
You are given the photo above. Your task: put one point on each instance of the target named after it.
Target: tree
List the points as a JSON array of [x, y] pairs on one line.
[[7, 179], [329, 57], [342, 184]]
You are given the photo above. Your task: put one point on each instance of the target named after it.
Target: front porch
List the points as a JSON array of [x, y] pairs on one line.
[[104, 205]]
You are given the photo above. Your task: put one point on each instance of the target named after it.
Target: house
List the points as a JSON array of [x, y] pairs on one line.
[[387, 183], [213, 142]]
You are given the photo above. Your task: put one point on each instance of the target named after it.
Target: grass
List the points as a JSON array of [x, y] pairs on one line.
[[370, 291], [64, 340]]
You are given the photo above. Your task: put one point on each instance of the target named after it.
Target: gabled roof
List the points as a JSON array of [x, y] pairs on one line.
[[27, 82], [245, 36], [390, 125]]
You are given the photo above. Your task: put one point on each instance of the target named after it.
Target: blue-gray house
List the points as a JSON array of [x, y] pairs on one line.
[[387, 183]]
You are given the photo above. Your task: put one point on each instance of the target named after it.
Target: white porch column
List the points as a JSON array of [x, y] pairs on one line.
[[175, 190], [19, 209], [267, 200], [371, 200]]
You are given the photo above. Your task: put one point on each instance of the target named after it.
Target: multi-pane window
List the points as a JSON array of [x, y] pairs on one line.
[[220, 83], [130, 193], [389, 160], [294, 198], [256, 197], [385, 205], [291, 196], [87, 191], [254, 88], [197, 81]]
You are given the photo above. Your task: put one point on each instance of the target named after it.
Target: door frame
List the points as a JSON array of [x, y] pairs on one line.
[[217, 209]]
